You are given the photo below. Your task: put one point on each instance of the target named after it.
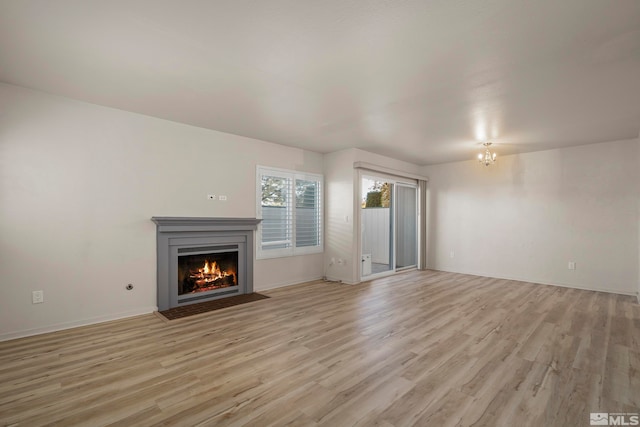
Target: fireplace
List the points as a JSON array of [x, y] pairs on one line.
[[201, 259]]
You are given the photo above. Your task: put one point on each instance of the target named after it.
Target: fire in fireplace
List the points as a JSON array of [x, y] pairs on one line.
[[207, 272]]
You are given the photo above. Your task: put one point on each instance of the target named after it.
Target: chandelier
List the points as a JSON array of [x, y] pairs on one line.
[[488, 158]]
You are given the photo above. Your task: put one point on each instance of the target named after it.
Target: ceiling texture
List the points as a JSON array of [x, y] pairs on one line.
[[417, 80]]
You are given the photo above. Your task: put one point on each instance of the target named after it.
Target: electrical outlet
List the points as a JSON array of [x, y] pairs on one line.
[[222, 198], [571, 265], [452, 254], [37, 297]]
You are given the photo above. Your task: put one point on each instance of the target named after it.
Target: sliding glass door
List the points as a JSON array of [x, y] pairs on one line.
[[388, 226], [376, 222], [406, 226]]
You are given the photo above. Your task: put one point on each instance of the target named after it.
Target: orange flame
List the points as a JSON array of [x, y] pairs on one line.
[[211, 272]]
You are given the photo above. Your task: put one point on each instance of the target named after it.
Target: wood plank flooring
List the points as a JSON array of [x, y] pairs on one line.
[[419, 348]]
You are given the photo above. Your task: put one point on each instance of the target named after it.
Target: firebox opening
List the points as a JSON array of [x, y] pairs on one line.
[[205, 272]]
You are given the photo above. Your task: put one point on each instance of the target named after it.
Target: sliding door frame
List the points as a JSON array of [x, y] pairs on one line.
[[416, 248], [395, 180]]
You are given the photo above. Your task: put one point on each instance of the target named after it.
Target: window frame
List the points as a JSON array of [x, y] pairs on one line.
[[292, 175]]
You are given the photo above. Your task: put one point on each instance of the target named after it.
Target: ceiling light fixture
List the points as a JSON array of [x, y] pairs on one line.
[[487, 158]]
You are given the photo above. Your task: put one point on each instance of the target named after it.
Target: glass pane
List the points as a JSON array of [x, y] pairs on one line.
[[406, 227], [276, 213], [307, 213], [376, 223]]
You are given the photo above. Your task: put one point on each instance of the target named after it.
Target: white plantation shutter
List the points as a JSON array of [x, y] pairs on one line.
[[308, 213], [276, 203], [290, 206]]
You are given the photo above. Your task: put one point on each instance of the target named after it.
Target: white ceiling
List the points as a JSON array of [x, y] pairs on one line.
[[422, 81]]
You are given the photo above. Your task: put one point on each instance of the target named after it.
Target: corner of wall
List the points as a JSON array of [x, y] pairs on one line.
[[546, 209], [100, 174], [338, 248]]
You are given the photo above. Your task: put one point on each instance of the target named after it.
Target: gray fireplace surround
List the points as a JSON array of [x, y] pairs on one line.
[[182, 235]]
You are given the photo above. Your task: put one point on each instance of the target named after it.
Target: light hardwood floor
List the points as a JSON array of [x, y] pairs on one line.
[[419, 348]]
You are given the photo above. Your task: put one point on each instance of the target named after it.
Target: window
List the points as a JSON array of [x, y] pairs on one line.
[[290, 205]]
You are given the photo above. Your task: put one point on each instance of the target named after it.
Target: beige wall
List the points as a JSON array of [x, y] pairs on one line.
[[78, 186], [529, 215]]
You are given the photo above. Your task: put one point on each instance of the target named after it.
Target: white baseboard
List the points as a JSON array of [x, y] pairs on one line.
[[542, 282], [75, 324], [345, 282], [290, 283], [147, 310], [122, 315]]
